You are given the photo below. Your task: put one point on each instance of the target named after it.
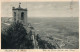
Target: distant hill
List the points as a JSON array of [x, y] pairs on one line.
[[6, 19], [64, 30]]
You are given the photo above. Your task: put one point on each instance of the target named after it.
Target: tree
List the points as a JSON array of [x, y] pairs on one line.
[[15, 37]]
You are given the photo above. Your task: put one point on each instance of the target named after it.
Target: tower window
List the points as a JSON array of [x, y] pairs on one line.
[[14, 15], [22, 15]]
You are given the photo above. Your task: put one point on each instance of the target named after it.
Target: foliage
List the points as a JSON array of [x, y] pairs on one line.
[[15, 37], [44, 44]]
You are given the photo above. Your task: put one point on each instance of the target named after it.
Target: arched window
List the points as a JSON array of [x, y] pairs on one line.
[[22, 15], [15, 16]]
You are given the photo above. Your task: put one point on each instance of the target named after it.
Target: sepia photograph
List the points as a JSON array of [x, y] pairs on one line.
[[40, 25]]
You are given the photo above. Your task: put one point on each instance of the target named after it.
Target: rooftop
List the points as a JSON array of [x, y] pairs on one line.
[[19, 8]]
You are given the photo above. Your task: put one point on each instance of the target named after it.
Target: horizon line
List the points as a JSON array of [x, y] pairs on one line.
[[40, 17]]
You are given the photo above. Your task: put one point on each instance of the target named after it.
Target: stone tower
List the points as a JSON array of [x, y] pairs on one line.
[[20, 15]]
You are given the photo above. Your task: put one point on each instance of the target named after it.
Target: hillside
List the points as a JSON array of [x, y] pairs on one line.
[[64, 31]]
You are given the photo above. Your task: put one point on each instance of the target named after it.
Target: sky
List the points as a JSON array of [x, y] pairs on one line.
[[43, 9]]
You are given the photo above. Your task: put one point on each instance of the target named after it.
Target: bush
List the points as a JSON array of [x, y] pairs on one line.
[[15, 37]]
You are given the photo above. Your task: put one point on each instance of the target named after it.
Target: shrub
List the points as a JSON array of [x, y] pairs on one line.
[[15, 37]]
